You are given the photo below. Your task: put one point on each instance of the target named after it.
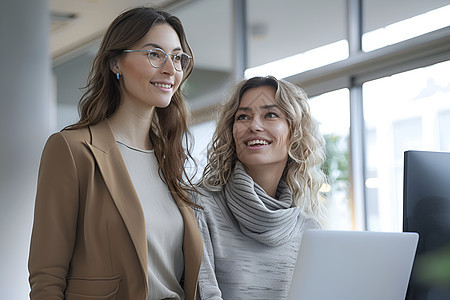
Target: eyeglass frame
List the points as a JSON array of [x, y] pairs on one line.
[[165, 57]]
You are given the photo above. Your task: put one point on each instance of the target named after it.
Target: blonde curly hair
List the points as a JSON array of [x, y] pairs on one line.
[[306, 151]]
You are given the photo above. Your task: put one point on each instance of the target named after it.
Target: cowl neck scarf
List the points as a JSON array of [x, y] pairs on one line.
[[271, 221]]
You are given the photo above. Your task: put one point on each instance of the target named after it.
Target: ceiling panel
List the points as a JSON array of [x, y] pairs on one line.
[[75, 24]]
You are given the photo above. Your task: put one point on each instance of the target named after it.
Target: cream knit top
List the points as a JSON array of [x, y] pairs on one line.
[[164, 224]]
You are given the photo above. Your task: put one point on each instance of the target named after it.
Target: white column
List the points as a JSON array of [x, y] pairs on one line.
[[25, 112]]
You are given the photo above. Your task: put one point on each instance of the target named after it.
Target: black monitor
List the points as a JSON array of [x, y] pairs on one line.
[[426, 210]]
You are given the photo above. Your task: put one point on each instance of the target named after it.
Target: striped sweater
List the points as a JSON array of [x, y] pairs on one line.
[[251, 240]]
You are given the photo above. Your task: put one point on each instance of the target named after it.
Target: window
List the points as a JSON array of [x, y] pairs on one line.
[[314, 36], [389, 22], [406, 111], [202, 134], [211, 39], [332, 111]]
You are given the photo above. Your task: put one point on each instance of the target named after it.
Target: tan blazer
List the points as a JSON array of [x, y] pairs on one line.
[[89, 239]]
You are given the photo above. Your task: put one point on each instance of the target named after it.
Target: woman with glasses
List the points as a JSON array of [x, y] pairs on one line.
[[112, 215], [259, 191]]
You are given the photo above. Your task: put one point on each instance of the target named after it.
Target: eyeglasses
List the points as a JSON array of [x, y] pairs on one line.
[[157, 58]]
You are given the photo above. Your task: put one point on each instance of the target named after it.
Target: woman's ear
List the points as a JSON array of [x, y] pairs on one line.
[[113, 66]]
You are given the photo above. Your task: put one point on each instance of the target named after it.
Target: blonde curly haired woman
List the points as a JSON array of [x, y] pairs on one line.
[[259, 191]]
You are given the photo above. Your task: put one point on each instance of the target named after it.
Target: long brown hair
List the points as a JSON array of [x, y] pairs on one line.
[[102, 97]]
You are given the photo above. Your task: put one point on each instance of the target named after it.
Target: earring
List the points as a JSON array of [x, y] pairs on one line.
[[118, 75]]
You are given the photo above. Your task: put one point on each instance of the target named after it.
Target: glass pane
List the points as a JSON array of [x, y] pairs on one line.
[[69, 78], [202, 134], [388, 22], [444, 122], [407, 111], [293, 27], [332, 111], [212, 46]]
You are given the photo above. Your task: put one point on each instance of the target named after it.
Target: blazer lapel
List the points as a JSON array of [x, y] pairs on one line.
[[118, 182]]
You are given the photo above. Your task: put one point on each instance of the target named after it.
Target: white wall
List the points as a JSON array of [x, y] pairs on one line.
[[26, 108]]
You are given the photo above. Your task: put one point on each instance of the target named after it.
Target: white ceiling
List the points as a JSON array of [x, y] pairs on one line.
[[78, 23]]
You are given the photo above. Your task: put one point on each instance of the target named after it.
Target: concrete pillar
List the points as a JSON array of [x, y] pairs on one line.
[[26, 106]]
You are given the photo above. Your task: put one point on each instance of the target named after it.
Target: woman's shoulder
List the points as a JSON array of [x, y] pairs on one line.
[[71, 141], [204, 196], [75, 135], [199, 194], [70, 135], [311, 222]]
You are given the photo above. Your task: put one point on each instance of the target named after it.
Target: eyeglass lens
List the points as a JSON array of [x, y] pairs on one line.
[[158, 58]]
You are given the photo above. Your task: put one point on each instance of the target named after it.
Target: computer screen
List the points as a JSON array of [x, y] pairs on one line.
[[426, 210]]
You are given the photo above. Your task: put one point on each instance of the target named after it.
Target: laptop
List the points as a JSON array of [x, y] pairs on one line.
[[353, 265]]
